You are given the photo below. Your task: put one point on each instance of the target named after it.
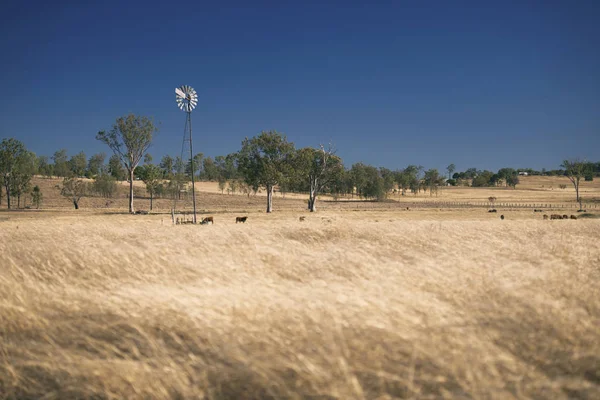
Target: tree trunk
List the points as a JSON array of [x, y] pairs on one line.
[[269, 199], [131, 191], [312, 204], [76, 204], [151, 201], [312, 196], [7, 196]]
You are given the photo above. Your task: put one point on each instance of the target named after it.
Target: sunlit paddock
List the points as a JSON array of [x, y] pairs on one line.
[[531, 192], [350, 305]]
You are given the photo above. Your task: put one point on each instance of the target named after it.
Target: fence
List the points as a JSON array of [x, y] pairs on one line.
[[372, 205], [547, 206]]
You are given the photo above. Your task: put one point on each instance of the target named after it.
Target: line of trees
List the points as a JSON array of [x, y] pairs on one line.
[[268, 161]]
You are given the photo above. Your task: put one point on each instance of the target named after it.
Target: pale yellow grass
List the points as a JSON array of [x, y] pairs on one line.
[[347, 305]]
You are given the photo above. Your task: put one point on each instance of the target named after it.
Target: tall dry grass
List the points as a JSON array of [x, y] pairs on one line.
[[337, 307]]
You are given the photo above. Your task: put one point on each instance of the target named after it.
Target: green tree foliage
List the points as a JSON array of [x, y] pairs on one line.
[[222, 183], [179, 166], [210, 171], [167, 165], [105, 185], [21, 178], [575, 170], [36, 196], [44, 166], [432, 180], [368, 181], [358, 175], [375, 185], [513, 181], [483, 178], [15, 167], [96, 164], [129, 139], [450, 168], [409, 178], [152, 177], [316, 170], [78, 164], [198, 165], [61, 165], [116, 169], [74, 189], [389, 179], [231, 169], [505, 175], [265, 160]]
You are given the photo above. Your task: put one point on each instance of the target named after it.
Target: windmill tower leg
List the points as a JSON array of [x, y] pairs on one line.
[[189, 115]]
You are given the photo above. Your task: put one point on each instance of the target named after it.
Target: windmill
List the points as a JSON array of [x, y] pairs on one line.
[[187, 98]]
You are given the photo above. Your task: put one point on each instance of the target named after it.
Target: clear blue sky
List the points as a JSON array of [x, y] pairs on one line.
[[483, 84]]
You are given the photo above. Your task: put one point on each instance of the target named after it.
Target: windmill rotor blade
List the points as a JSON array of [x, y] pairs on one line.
[[179, 92]]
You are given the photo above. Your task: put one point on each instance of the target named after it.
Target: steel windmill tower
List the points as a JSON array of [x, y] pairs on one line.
[[187, 99]]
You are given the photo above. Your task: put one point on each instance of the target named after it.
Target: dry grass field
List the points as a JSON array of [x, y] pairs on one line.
[[533, 191], [385, 303]]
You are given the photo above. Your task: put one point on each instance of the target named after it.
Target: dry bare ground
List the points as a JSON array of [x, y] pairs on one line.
[[346, 305]]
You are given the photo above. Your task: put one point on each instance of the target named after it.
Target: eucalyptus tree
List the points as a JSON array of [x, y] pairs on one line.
[[74, 189], [152, 177], [319, 168], [61, 164], [96, 164], [432, 179], [116, 169], [78, 164], [450, 168], [14, 158], [575, 170], [167, 165], [21, 178], [265, 160], [129, 139], [44, 166]]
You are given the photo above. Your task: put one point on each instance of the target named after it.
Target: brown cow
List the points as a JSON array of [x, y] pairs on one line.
[[545, 217], [573, 216], [207, 220], [241, 219], [565, 216], [302, 219], [555, 216]]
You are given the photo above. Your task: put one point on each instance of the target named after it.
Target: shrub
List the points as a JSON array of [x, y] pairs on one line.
[[105, 185]]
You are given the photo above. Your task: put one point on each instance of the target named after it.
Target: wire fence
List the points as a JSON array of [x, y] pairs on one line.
[[373, 205]]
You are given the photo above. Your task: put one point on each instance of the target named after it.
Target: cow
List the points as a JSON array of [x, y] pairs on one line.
[[573, 216], [241, 219], [545, 217], [493, 210], [502, 217], [565, 216], [207, 220], [555, 216], [302, 219]]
